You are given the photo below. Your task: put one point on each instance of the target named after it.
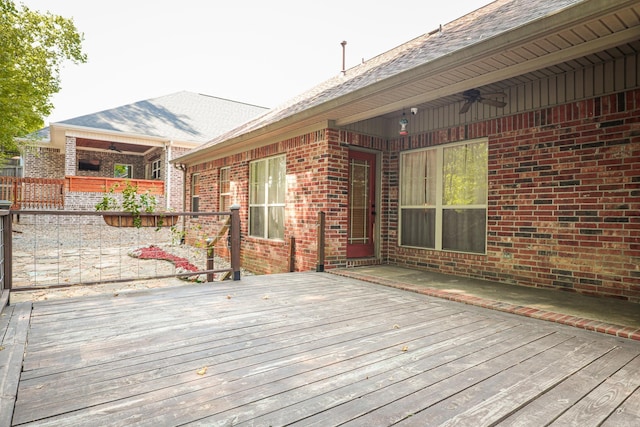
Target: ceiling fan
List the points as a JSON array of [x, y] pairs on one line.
[[473, 95], [113, 147]]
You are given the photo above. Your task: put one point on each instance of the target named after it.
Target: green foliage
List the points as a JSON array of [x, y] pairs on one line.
[[132, 202], [465, 175], [195, 233], [33, 47], [109, 201]]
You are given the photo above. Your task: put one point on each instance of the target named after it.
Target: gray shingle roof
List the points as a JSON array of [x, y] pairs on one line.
[[182, 116], [487, 22]]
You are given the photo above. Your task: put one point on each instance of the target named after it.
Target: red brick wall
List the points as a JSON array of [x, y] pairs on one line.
[[307, 167], [198, 229], [564, 199], [317, 180]]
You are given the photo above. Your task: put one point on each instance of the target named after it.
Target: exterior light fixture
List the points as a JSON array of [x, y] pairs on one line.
[[403, 125]]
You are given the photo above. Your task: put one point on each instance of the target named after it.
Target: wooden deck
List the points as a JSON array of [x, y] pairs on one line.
[[306, 349]]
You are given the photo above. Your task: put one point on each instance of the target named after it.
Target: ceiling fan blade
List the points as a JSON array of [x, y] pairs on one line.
[[466, 107], [493, 102], [494, 94]]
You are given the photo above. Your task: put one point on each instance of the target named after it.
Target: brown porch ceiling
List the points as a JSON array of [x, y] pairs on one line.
[[105, 145]]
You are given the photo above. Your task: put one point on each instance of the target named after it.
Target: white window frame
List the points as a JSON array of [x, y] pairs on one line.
[[156, 169], [195, 197], [224, 194], [265, 205], [439, 206]]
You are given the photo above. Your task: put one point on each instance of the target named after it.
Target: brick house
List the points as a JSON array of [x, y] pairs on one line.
[[134, 141], [504, 145]]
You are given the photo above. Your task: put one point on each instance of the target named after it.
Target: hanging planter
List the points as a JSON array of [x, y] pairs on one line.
[[145, 220], [136, 210]]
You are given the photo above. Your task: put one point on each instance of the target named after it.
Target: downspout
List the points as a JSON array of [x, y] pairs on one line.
[[183, 168]]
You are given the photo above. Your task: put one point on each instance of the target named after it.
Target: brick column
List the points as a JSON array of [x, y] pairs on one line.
[[70, 156]]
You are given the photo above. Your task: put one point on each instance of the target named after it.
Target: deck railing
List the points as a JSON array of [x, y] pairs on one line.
[[60, 249], [32, 193]]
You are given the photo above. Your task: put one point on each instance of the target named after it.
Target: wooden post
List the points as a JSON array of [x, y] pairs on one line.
[[7, 241], [210, 257], [320, 238], [235, 241], [16, 200], [292, 254]]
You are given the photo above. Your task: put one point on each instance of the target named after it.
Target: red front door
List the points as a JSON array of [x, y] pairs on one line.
[[362, 209]]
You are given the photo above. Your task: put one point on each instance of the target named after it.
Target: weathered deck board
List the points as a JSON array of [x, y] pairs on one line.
[[596, 406], [316, 397], [494, 398], [627, 415], [553, 403], [13, 339], [313, 349], [161, 345], [159, 372], [314, 366]]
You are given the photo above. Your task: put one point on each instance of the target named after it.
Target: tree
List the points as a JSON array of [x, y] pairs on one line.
[[33, 47]]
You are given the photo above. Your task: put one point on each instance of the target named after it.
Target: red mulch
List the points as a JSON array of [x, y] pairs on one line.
[[154, 252]]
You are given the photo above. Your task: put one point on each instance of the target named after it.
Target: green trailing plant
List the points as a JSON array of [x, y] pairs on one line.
[[132, 202], [194, 231]]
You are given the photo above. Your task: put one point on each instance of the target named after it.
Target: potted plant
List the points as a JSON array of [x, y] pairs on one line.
[[138, 205]]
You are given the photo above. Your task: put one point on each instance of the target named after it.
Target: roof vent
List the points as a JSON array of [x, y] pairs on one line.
[[436, 31], [344, 70]]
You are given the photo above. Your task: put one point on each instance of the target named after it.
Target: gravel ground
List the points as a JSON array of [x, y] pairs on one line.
[[55, 254]]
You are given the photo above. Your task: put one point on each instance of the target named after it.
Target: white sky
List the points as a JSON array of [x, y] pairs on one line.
[[254, 51]]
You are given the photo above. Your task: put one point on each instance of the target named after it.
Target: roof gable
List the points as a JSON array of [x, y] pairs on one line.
[[182, 116]]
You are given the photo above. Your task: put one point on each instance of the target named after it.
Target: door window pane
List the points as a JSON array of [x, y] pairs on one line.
[[359, 202]]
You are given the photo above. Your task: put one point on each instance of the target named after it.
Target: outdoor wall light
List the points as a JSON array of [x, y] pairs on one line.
[[403, 125]]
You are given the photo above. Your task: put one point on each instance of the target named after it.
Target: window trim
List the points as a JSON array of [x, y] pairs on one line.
[[195, 184], [156, 169], [222, 194], [266, 205], [439, 203]]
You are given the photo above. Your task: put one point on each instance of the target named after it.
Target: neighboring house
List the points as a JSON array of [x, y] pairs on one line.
[[504, 145], [135, 142]]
